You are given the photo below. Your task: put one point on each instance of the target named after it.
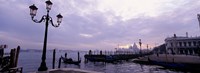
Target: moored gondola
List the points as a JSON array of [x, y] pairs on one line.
[[70, 60]]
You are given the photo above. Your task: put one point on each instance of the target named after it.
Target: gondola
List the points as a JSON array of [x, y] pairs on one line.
[[70, 60]]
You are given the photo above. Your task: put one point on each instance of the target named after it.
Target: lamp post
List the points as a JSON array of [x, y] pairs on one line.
[[140, 43], [47, 18], [198, 17], [147, 48]]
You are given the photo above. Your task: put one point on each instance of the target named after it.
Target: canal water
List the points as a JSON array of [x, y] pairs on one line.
[[30, 61]]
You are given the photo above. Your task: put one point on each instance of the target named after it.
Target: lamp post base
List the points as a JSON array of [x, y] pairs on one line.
[[43, 66]]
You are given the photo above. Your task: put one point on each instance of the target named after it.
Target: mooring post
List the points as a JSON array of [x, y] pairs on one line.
[[59, 62], [1, 52], [54, 55], [78, 56], [65, 55], [17, 56], [90, 52], [12, 57], [86, 60]]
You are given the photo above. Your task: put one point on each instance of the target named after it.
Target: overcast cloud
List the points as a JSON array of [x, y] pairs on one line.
[[98, 24]]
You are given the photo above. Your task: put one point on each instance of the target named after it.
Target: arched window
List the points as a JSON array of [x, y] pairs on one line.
[[189, 43], [171, 44], [184, 44], [180, 44], [194, 43]]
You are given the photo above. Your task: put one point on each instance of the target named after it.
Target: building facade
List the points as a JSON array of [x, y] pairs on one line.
[[182, 45], [133, 49]]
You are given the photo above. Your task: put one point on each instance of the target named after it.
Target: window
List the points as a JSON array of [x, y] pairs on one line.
[[198, 42], [180, 44], [184, 43], [171, 44], [194, 43], [189, 43]]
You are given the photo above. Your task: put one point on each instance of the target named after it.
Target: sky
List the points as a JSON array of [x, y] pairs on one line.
[[98, 24]]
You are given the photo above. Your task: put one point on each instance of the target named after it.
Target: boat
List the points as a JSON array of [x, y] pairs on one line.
[[111, 58], [70, 60], [100, 58]]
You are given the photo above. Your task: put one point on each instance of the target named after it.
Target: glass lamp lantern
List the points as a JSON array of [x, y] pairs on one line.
[[33, 10], [48, 5], [59, 18]]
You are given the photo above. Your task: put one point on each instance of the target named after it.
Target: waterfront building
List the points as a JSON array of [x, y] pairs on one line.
[[183, 45], [133, 49]]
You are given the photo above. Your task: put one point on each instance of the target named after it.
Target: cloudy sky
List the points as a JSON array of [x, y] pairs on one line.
[[98, 24]]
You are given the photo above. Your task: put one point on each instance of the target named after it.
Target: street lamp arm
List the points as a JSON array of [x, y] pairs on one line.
[[51, 21], [42, 19]]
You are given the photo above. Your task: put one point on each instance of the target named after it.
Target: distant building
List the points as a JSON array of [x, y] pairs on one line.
[[131, 50], [182, 45], [161, 49]]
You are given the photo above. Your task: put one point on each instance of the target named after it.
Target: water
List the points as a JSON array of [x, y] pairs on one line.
[[30, 61]]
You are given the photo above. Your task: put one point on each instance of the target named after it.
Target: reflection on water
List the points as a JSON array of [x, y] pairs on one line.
[[30, 62]]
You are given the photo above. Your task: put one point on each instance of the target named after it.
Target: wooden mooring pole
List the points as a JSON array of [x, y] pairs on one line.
[[12, 58], [59, 64], [17, 56], [54, 56], [78, 56]]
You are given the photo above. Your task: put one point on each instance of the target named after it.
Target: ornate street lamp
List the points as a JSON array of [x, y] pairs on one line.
[[147, 48], [140, 43], [198, 17], [47, 18]]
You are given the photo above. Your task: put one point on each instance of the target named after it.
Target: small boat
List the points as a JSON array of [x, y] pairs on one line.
[[100, 58], [70, 60]]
